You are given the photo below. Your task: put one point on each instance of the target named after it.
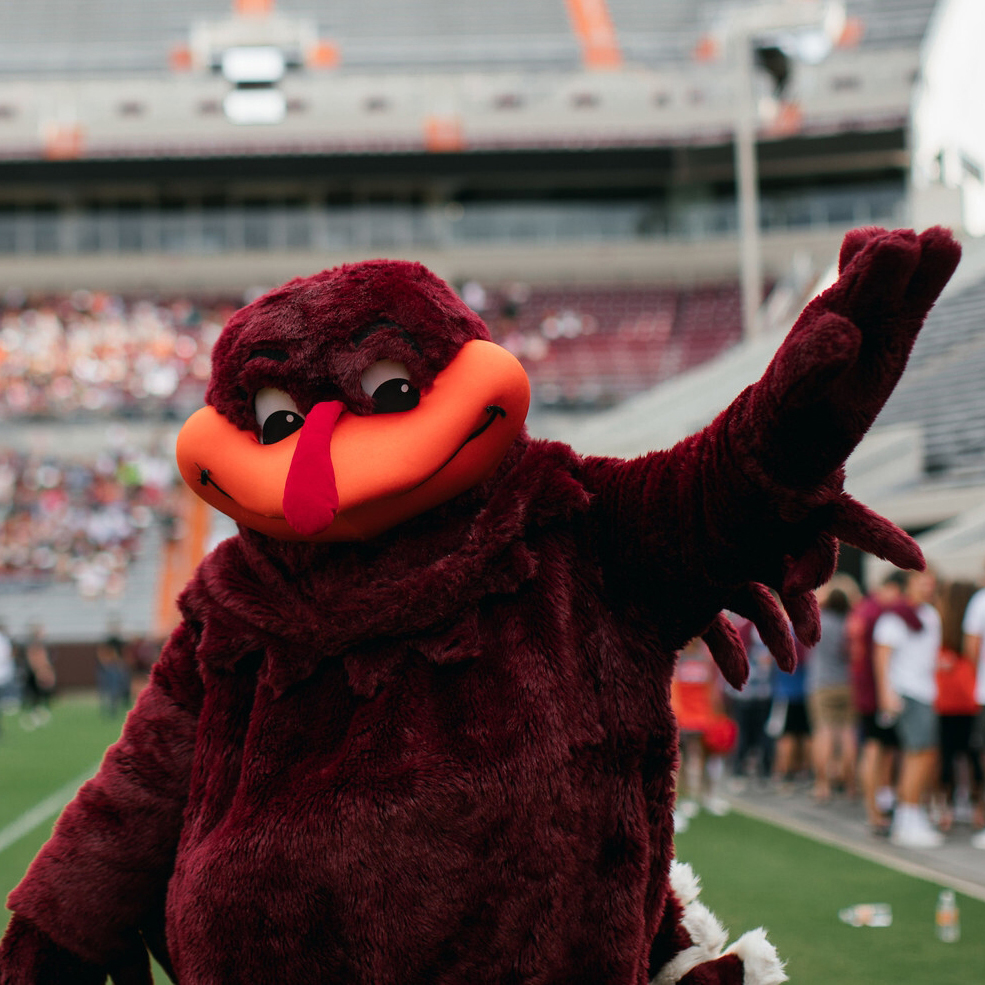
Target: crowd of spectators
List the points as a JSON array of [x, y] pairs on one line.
[[92, 354], [76, 521], [888, 708]]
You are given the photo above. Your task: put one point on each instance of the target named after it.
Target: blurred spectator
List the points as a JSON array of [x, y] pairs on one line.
[[880, 743], [112, 672], [788, 723], [750, 709], [141, 657], [834, 744], [8, 673], [956, 705], [974, 648], [905, 662], [706, 734], [39, 679]]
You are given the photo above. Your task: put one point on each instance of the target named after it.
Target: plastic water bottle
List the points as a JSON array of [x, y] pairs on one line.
[[948, 918]]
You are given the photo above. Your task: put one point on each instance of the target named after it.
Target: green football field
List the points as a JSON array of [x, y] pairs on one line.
[[755, 874], [752, 873]]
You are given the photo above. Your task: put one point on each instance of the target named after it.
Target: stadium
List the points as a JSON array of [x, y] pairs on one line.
[[580, 172], [638, 198], [574, 170]]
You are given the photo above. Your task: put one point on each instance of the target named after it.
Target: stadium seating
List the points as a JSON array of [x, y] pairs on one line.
[[93, 354], [87, 355], [943, 385], [99, 356], [95, 357], [101, 36], [593, 347], [70, 520]]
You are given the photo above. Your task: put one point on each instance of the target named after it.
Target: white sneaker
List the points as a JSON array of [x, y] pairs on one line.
[[978, 840], [912, 829], [681, 823], [917, 838], [717, 806], [689, 808]]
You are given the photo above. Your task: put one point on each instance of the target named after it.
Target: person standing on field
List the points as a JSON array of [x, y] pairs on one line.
[[905, 662]]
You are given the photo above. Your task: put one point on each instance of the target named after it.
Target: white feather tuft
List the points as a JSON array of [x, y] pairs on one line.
[[684, 883], [707, 940], [761, 963]]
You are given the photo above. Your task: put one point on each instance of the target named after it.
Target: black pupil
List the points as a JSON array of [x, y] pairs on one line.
[[279, 425], [394, 396]]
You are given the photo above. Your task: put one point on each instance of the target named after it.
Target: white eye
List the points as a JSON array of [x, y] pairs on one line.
[[388, 383], [382, 372], [277, 414]]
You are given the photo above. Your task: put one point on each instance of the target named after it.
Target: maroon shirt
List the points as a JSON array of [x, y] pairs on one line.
[[859, 628]]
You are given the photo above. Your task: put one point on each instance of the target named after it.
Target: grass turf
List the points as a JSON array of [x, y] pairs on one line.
[[752, 873], [755, 874], [36, 764]]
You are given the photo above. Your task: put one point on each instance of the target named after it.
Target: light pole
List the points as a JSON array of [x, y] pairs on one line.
[[743, 27], [747, 189]]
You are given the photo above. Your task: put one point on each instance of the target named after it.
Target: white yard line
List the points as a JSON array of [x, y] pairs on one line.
[[41, 812]]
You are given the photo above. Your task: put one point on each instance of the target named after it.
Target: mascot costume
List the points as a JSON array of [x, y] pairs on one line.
[[415, 724]]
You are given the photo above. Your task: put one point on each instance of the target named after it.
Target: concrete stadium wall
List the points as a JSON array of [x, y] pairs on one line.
[[664, 262]]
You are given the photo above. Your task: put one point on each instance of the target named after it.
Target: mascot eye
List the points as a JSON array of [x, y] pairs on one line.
[[277, 414], [388, 383]]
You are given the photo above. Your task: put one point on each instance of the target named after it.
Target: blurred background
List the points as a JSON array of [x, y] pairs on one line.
[[637, 196]]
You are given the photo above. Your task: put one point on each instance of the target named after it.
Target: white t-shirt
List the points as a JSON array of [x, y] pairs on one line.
[[913, 661], [974, 625], [8, 669]]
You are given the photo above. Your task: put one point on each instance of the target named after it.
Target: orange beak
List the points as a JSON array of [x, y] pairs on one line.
[[345, 477]]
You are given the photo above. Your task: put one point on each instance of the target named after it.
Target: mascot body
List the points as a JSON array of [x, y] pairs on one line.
[[415, 724]]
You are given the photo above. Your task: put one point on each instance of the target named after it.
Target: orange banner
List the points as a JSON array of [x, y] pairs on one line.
[[443, 133], [596, 32], [253, 8]]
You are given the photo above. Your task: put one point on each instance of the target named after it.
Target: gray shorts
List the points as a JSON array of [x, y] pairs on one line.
[[917, 726]]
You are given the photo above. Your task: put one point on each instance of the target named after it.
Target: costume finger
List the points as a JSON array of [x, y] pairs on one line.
[[806, 617], [855, 240], [940, 254], [756, 603], [871, 289], [808, 363], [813, 568], [725, 646], [856, 524]]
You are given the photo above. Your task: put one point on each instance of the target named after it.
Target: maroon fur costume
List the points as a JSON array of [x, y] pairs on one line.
[[445, 754]]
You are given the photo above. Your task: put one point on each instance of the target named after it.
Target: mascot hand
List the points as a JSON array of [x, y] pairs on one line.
[[840, 362], [28, 956], [790, 433]]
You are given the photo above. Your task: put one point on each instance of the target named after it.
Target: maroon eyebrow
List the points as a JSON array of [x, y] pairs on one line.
[[277, 354], [364, 333]]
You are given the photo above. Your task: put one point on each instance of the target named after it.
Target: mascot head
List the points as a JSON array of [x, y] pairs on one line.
[[347, 402]]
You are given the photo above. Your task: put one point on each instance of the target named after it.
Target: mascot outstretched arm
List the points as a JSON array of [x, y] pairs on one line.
[[415, 723]]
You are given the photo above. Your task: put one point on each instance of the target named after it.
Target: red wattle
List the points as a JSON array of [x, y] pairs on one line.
[[311, 498]]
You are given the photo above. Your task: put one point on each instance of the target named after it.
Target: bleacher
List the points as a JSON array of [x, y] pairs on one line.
[[889, 23], [136, 37], [943, 388], [99, 357], [586, 346], [626, 318]]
